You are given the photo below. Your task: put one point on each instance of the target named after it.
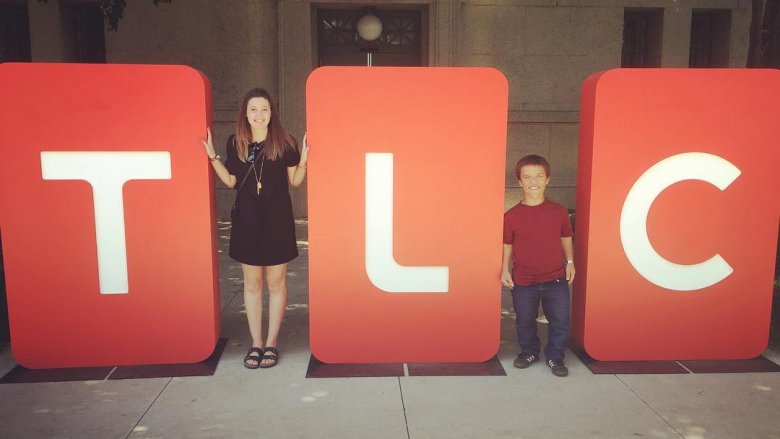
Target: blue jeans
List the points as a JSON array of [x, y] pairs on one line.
[[556, 304]]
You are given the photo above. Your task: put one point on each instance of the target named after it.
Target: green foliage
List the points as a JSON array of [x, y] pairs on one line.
[[114, 10], [764, 47]]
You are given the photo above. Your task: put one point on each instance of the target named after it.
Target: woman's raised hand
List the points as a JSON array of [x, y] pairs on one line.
[[209, 146], [304, 151]]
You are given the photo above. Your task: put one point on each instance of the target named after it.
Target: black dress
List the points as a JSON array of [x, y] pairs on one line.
[[264, 231]]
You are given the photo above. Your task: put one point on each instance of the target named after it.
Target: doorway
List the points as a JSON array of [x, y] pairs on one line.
[[403, 40]]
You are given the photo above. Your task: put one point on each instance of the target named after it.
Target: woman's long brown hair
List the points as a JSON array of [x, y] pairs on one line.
[[278, 138]]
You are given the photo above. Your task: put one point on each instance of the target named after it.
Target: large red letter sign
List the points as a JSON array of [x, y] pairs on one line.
[[406, 199], [106, 209], [677, 213]]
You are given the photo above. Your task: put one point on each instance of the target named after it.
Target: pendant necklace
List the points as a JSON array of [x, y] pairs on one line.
[[258, 178]]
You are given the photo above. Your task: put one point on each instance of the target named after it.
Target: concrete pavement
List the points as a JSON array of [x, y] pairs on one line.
[[282, 403]]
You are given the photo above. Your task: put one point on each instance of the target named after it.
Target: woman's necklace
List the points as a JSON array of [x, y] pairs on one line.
[[258, 178]]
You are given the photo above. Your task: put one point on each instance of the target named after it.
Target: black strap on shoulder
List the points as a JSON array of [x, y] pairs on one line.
[[247, 171], [245, 177]]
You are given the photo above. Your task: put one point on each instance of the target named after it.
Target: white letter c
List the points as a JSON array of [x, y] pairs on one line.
[[633, 220]]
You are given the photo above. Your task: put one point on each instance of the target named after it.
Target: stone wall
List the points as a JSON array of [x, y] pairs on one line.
[[545, 48]]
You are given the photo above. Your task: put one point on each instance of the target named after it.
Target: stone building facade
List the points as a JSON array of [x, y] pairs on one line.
[[545, 48]]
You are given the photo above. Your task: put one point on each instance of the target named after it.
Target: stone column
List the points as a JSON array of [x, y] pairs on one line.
[[444, 16], [676, 36], [295, 63], [45, 31]]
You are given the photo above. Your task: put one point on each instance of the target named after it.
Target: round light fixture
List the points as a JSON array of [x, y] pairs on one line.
[[369, 27]]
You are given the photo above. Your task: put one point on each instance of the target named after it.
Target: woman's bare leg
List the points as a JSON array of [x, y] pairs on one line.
[[276, 277], [253, 302]]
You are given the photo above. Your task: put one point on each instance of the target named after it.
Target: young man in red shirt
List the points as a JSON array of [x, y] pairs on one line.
[[538, 265]]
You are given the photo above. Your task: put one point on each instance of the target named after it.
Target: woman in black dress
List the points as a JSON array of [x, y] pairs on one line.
[[261, 159]]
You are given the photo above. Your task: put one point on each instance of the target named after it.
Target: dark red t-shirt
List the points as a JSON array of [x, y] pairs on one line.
[[535, 234]]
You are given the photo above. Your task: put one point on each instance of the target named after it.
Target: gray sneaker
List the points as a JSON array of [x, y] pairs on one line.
[[558, 368], [525, 359]]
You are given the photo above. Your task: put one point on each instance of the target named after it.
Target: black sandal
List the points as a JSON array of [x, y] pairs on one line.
[[256, 358], [271, 354]]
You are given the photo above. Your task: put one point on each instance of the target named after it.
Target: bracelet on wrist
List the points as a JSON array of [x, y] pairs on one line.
[[216, 157]]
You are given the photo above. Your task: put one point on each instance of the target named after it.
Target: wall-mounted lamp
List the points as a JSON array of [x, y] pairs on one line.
[[369, 28]]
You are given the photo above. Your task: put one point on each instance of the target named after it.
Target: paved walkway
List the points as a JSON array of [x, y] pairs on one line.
[[281, 403]]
